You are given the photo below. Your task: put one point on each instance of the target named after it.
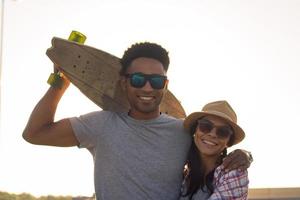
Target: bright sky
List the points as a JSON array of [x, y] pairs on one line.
[[245, 51]]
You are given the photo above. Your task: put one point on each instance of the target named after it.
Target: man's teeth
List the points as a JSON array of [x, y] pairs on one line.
[[146, 98], [208, 142]]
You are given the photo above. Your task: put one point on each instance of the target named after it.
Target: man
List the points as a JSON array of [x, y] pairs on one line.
[[137, 155]]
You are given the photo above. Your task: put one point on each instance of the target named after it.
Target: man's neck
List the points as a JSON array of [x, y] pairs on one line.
[[144, 116]]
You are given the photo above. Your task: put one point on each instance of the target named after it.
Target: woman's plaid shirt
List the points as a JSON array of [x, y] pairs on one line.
[[232, 185]]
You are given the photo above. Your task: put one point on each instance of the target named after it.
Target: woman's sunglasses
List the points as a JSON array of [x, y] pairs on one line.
[[207, 126], [139, 80]]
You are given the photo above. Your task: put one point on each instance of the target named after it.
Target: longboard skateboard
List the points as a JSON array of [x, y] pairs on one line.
[[96, 74]]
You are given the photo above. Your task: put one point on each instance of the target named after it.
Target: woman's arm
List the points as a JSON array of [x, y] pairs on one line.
[[230, 185]]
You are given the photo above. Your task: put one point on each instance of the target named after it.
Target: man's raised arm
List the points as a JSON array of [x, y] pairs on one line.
[[41, 128]]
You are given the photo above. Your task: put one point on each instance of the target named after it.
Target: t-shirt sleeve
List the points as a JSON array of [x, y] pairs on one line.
[[87, 128], [230, 185]]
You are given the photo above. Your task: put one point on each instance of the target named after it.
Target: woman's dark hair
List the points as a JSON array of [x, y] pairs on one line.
[[195, 178], [145, 49]]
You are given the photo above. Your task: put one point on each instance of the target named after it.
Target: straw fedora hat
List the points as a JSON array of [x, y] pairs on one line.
[[220, 109]]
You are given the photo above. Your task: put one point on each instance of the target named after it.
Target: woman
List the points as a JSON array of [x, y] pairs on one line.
[[214, 129]]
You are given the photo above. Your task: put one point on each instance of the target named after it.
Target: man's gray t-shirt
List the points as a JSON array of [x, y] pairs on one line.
[[134, 159]]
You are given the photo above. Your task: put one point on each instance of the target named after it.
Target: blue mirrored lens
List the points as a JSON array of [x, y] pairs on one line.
[[157, 82], [137, 80]]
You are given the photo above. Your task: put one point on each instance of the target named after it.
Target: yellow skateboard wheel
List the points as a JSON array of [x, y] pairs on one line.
[[55, 79], [77, 37]]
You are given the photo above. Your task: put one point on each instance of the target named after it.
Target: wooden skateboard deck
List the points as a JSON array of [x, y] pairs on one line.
[[96, 74]]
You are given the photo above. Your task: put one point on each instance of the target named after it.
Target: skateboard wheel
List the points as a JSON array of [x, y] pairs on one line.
[[55, 80], [77, 37]]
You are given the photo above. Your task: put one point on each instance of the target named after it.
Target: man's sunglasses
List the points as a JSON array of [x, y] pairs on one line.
[[207, 126], [139, 80]]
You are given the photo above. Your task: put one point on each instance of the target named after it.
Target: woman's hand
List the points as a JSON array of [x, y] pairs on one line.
[[238, 159]]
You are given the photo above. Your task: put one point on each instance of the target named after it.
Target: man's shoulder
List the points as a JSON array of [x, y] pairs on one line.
[[171, 118], [99, 113], [94, 117]]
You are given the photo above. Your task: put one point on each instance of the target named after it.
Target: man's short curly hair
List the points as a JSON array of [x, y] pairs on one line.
[[144, 49]]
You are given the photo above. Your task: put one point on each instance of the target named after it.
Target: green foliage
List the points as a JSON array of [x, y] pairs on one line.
[[7, 196], [26, 196], [50, 197]]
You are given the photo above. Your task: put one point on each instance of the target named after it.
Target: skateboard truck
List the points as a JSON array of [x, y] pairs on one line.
[[55, 79]]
